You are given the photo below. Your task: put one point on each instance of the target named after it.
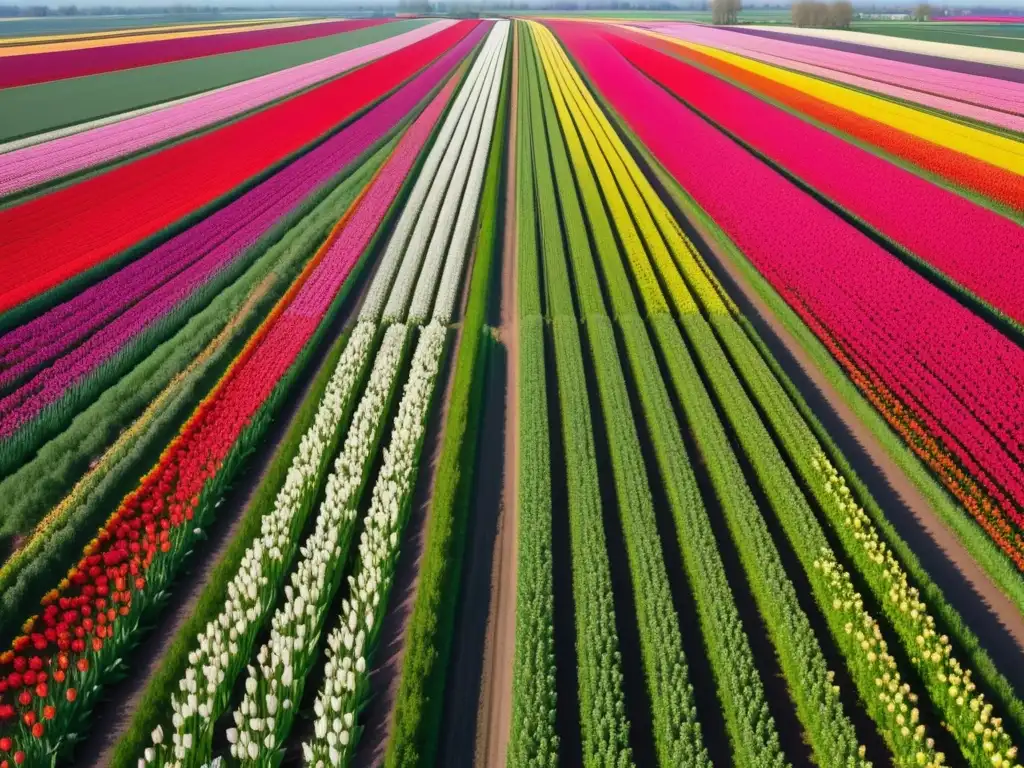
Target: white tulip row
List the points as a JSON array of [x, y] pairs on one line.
[[274, 686], [378, 291], [441, 190], [426, 286], [225, 645], [448, 291], [349, 645]]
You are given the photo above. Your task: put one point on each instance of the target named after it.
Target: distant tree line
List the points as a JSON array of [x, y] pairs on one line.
[[812, 13], [35, 11], [725, 11]]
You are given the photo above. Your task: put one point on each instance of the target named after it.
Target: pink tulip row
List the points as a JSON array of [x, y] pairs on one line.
[[42, 162], [981, 91], [947, 364]]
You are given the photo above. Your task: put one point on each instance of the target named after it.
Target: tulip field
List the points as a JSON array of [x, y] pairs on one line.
[[532, 391]]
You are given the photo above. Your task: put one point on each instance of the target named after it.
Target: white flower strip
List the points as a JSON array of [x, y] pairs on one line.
[[995, 56], [362, 613], [378, 291], [451, 278], [395, 309], [423, 298], [273, 688], [226, 644]]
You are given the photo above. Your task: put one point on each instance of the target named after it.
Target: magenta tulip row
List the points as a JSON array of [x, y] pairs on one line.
[[944, 361], [34, 165], [84, 333]]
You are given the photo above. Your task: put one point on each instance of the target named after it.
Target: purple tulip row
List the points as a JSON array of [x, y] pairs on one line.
[[50, 160], [139, 296], [992, 101]]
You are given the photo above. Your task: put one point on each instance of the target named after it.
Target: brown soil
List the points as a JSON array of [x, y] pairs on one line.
[[495, 712], [924, 530]]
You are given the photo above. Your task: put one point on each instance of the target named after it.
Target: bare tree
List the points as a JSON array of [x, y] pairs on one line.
[[840, 14], [923, 12], [811, 13], [725, 11]]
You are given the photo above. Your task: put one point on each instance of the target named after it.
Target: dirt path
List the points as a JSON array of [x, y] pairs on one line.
[[495, 714], [113, 715], [994, 618]]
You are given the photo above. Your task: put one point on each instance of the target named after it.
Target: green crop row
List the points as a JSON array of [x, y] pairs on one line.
[[677, 731], [603, 720], [533, 741], [428, 641], [753, 731]]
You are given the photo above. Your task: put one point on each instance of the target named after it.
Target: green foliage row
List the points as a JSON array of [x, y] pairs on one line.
[[428, 641], [755, 738], [819, 706], [677, 732], [751, 727], [603, 719], [533, 741]]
